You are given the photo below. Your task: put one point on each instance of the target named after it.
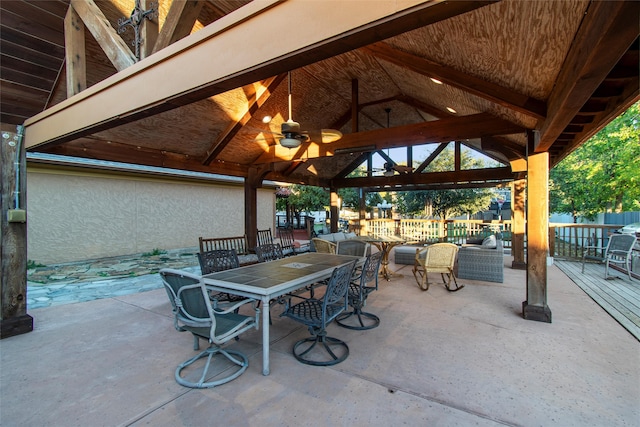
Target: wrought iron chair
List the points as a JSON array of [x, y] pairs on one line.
[[436, 258], [219, 260], [316, 314], [353, 247], [359, 291], [324, 246], [290, 246], [194, 313], [618, 251], [264, 237], [269, 252]]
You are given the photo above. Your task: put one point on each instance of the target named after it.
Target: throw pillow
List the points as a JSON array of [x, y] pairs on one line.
[[489, 242]]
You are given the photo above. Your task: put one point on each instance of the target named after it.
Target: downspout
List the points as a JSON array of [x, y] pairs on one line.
[[16, 198]]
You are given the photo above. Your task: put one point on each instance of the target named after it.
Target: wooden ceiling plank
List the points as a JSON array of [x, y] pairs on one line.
[[606, 33], [267, 88], [98, 25], [477, 86], [75, 53], [222, 66], [444, 130], [179, 22]]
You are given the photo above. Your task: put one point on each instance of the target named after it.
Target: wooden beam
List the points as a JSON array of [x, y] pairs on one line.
[[495, 93], [209, 61], [607, 31], [75, 53], [444, 130], [501, 145], [471, 176], [431, 157], [266, 88], [179, 22], [118, 152], [98, 25], [149, 31]]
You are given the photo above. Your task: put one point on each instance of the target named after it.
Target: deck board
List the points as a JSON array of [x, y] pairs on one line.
[[618, 296]]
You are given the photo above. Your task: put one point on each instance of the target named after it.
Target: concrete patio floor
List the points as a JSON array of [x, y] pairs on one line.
[[437, 359]]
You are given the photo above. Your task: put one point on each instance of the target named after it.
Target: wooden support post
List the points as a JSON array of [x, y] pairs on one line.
[[75, 53], [334, 210], [518, 224], [14, 319], [251, 185], [535, 307]]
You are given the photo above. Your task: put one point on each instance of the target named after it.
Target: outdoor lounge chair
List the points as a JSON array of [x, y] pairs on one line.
[[359, 291], [193, 312], [316, 314], [436, 258], [618, 251]]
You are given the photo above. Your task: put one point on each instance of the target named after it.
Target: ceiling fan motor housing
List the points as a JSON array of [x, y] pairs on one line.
[[290, 127]]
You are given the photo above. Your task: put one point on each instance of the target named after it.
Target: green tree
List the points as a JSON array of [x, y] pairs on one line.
[[446, 203], [304, 198], [603, 174]]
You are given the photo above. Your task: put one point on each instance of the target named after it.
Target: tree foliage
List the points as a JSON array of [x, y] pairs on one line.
[[446, 203], [602, 175]]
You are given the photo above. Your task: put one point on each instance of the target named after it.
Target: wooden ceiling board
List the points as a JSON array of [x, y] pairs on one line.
[[519, 44]]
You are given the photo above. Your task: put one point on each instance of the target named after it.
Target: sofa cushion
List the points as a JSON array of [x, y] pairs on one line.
[[489, 242]]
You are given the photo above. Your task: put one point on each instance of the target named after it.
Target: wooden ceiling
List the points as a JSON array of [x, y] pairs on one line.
[[519, 76]]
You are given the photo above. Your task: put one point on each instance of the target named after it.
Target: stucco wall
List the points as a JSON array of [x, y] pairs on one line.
[[74, 216]]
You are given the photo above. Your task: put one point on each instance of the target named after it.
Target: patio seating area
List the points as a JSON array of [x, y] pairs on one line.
[[436, 358]]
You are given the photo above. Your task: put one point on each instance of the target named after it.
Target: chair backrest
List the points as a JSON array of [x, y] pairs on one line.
[[370, 269], [285, 235], [324, 246], [269, 252], [264, 237], [336, 291], [621, 243], [438, 255], [218, 260], [189, 298], [353, 247]]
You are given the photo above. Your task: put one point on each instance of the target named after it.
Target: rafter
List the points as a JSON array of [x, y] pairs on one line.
[[475, 85], [431, 157], [98, 25], [266, 88], [607, 31], [179, 22]]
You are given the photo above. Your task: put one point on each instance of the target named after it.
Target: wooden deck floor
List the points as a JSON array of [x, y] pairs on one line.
[[617, 296]]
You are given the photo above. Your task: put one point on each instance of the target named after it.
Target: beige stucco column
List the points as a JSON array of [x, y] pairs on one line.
[[535, 307], [518, 224], [14, 319]]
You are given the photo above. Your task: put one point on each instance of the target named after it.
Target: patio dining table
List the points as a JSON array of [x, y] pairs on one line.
[[268, 280]]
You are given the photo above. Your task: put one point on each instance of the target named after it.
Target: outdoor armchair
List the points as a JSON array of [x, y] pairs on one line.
[[193, 312], [436, 258], [324, 246], [617, 252], [316, 314]]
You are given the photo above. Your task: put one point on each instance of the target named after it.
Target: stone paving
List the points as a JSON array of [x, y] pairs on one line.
[[103, 278]]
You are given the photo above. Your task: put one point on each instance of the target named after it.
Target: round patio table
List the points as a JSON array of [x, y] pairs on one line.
[[384, 245]]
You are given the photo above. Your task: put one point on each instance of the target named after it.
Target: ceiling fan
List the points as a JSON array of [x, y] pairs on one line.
[[390, 169], [291, 136]]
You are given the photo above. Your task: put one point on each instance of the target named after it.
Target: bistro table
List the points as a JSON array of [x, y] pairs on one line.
[[268, 280], [384, 245]]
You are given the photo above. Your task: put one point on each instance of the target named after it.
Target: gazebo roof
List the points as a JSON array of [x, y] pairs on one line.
[[517, 77]]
